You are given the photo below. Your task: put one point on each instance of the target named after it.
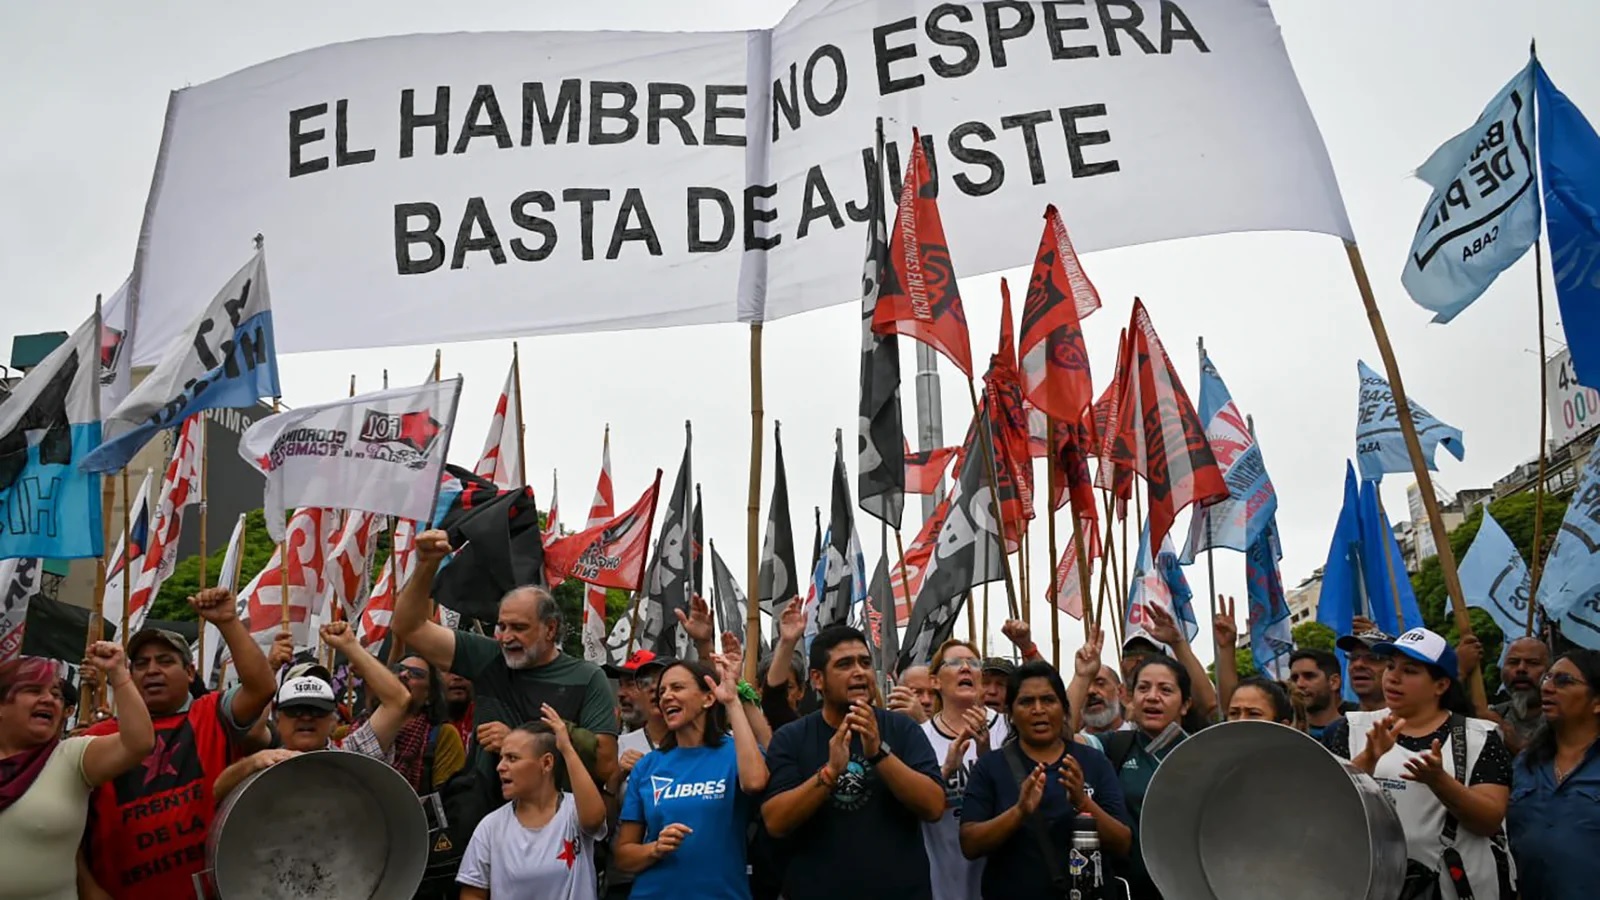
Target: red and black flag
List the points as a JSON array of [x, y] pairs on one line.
[[1159, 435], [1118, 479], [880, 459], [926, 468], [1055, 363], [610, 554], [1002, 386], [499, 546], [918, 297]]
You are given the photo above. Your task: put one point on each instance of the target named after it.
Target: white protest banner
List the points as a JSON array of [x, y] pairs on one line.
[[443, 187], [381, 453], [1573, 408]]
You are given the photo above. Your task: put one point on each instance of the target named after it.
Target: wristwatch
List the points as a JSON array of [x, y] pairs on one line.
[[882, 754]]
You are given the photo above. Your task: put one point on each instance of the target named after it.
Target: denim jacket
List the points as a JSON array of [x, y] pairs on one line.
[[1555, 829]]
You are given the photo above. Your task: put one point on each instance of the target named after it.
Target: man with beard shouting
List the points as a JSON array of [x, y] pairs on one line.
[[514, 673], [1527, 658]]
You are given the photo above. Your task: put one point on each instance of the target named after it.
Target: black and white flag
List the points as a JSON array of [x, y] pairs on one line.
[[671, 575], [881, 460], [969, 552], [733, 607], [778, 582], [844, 580], [19, 584]]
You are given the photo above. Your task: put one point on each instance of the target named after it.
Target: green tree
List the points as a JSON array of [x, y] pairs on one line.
[[171, 602], [1313, 635], [569, 596]]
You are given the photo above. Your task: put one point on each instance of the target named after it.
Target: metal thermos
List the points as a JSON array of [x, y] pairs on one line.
[[1086, 877]]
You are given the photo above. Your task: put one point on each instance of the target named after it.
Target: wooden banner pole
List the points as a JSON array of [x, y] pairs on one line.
[[1419, 464], [127, 570], [752, 511], [1050, 539], [1536, 567]]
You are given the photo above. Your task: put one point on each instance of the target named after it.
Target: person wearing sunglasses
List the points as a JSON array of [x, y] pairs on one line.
[[427, 751], [1554, 816], [303, 713]]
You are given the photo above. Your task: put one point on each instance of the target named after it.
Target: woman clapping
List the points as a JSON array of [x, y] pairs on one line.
[[687, 804]]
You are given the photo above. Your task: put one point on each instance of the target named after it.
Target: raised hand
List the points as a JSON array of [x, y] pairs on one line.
[[731, 644], [902, 699], [697, 624], [792, 624], [107, 657], [490, 735], [1382, 735], [1426, 768], [431, 547], [977, 722], [340, 636], [1225, 626], [725, 687], [670, 839], [1020, 633], [1032, 791], [1162, 627], [549, 716], [1362, 624], [863, 720], [1469, 654], [281, 652], [1086, 662], [216, 605]]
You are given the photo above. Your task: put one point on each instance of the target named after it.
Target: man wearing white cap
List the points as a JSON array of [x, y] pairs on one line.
[[304, 711]]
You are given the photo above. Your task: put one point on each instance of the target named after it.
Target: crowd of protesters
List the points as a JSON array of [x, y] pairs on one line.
[[967, 778]]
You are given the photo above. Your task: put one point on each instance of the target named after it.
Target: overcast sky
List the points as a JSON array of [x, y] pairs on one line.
[[1281, 318]]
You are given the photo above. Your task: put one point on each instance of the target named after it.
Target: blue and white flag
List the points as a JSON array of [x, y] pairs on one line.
[[224, 360], [1271, 640], [1159, 584], [1380, 445], [1569, 162], [49, 505], [1495, 579], [1236, 522], [1571, 577], [1484, 212]]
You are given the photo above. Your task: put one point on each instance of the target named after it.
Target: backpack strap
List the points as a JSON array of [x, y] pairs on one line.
[[1034, 822], [1118, 746], [427, 757]]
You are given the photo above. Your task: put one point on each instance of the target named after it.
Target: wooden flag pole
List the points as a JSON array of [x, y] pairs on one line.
[[986, 442], [1025, 558], [438, 358], [752, 510], [1536, 567], [127, 571], [522, 429], [1050, 539], [905, 579], [1388, 562], [1108, 569], [1419, 464], [205, 466]]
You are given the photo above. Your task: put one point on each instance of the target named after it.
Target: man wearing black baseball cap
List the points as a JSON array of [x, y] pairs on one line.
[[1364, 665]]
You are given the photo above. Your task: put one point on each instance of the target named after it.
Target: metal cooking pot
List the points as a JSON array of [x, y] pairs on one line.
[[319, 825], [1248, 810]]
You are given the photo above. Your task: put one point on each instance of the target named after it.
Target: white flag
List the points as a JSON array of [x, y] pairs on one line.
[[382, 453], [19, 584], [128, 559], [227, 577], [502, 451]]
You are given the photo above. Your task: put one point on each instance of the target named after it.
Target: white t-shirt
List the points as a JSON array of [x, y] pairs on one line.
[[954, 876], [555, 862]]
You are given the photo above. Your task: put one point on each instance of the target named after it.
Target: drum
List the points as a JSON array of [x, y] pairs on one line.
[[1260, 811], [319, 825]]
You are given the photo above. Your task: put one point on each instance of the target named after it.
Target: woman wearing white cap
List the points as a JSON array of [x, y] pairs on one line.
[[304, 712], [1449, 774]]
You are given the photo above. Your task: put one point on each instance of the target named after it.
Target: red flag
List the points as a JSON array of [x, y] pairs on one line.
[[1009, 420], [1111, 476], [1158, 433], [1073, 446], [1055, 364], [373, 625], [919, 297], [924, 468], [611, 554]]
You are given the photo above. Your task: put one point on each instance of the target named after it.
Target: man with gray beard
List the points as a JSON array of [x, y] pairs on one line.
[[1526, 660], [1102, 710]]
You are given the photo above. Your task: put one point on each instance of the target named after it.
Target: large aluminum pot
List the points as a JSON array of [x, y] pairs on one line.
[[1249, 810], [319, 825]]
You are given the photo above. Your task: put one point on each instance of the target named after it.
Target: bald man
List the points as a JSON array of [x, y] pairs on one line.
[[515, 673], [1526, 660]]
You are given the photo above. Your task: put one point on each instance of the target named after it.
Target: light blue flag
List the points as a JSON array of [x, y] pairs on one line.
[[1380, 445], [49, 506], [1271, 640], [1495, 579], [224, 360], [1236, 522], [1569, 163], [1159, 584], [1380, 555], [1571, 578], [1484, 212]]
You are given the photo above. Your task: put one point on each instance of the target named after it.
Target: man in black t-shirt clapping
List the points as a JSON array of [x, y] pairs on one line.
[[851, 785]]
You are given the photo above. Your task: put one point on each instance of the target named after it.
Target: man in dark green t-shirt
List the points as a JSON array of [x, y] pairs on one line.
[[514, 673]]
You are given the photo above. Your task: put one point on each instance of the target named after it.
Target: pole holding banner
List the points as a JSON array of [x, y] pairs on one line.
[[522, 429], [1050, 540], [1537, 566], [752, 543], [127, 570], [1419, 463]]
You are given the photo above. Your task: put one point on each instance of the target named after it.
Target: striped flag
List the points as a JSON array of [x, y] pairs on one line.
[[372, 628], [350, 551], [128, 559], [19, 584], [601, 510], [501, 462], [306, 543], [180, 488]]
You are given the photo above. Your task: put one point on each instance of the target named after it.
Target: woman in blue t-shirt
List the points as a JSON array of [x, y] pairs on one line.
[[688, 803]]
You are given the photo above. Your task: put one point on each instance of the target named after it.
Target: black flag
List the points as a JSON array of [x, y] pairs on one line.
[[968, 552], [500, 546], [880, 461], [778, 581], [732, 606], [671, 574], [843, 552], [878, 619]]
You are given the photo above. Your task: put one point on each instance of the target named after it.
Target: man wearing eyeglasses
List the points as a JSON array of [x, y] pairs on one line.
[[428, 750]]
